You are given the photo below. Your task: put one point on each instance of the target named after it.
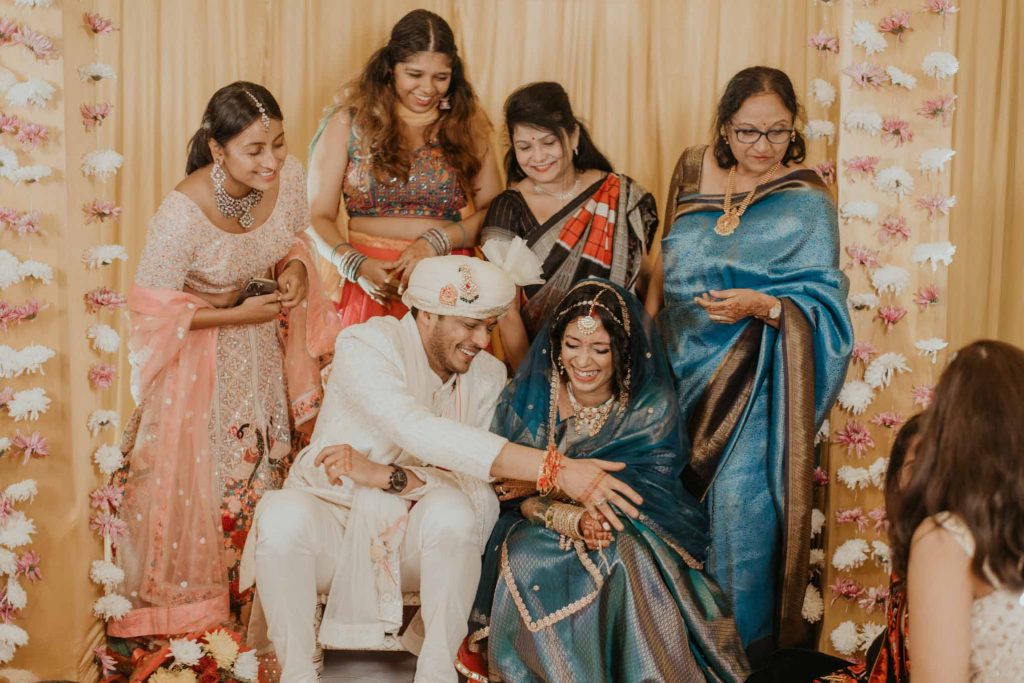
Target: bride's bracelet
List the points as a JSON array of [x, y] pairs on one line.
[[547, 477], [438, 240], [565, 520]]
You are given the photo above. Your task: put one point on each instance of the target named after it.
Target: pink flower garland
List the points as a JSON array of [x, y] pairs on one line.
[[41, 46], [109, 526], [103, 299], [29, 447], [888, 420], [927, 295], [101, 375], [98, 24], [856, 438], [897, 130], [861, 167], [894, 228], [896, 24], [823, 42], [93, 115], [923, 395], [100, 210], [11, 314], [826, 170], [862, 256], [941, 108], [890, 315], [863, 351]]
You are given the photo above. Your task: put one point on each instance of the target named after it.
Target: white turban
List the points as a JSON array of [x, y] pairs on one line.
[[470, 287]]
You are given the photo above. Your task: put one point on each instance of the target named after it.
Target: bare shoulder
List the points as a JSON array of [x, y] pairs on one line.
[[934, 542], [197, 186]]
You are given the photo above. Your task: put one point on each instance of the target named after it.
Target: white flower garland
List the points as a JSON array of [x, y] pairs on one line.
[[105, 338], [900, 78], [103, 419], [15, 532], [822, 92], [29, 360], [851, 554], [894, 180], [856, 396], [101, 163], [934, 253], [930, 347], [104, 255], [864, 34], [890, 278], [864, 300], [864, 120], [940, 65], [866, 211], [817, 129], [845, 638], [883, 368], [814, 607], [28, 404]]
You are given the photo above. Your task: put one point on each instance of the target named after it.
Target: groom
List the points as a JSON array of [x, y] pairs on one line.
[[405, 420]]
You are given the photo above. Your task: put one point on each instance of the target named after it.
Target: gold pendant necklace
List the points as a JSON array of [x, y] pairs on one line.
[[730, 219], [590, 417]]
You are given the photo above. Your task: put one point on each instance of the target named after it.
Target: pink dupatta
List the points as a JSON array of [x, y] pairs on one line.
[[172, 553]]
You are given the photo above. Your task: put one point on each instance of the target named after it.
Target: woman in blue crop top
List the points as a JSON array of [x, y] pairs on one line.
[[406, 149]]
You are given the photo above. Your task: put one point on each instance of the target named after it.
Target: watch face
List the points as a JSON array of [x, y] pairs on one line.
[[775, 311], [398, 480]]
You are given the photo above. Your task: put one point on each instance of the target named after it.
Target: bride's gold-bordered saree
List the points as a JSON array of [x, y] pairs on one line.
[[642, 609], [753, 396]]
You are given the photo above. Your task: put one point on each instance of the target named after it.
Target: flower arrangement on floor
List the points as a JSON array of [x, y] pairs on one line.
[[216, 656]]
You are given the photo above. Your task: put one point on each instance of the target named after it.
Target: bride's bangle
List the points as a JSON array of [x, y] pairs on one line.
[[565, 520]]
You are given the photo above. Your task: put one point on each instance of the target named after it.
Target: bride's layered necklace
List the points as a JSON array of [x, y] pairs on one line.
[[590, 418]]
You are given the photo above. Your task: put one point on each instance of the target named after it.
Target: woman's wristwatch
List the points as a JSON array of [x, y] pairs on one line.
[[774, 311], [398, 480]]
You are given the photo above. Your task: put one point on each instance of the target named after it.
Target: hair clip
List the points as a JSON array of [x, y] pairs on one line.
[[264, 119]]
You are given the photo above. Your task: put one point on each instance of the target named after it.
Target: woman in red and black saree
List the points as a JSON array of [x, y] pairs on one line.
[[406, 151], [758, 333], [223, 391], [568, 205]]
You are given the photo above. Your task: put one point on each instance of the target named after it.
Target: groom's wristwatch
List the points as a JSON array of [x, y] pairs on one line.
[[398, 480]]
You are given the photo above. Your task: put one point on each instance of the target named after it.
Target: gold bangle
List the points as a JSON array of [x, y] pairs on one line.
[[564, 520]]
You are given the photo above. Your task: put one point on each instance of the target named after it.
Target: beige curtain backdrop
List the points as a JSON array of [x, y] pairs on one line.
[[643, 74], [986, 280]]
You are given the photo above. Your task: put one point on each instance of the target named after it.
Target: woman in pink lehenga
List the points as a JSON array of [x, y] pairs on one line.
[[224, 391]]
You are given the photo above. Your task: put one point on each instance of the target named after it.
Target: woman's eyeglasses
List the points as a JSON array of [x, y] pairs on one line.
[[776, 136]]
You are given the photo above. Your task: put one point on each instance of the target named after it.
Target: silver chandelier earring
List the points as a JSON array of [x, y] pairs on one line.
[[229, 206], [445, 104]]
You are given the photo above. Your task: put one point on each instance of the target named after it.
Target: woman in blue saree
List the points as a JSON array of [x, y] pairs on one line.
[[562, 598], [758, 334]]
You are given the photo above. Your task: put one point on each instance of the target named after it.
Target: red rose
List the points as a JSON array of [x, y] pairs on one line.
[[228, 523], [238, 538], [207, 670]]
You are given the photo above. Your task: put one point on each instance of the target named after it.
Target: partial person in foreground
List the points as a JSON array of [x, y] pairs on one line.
[[958, 526], [224, 392], [404, 421], [758, 335], [888, 657], [580, 217], [563, 597]]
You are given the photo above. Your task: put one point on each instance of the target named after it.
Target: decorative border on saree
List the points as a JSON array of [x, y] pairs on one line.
[[562, 612]]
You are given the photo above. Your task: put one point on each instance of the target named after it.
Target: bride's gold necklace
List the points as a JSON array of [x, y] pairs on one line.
[[730, 220], [590, 417]]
